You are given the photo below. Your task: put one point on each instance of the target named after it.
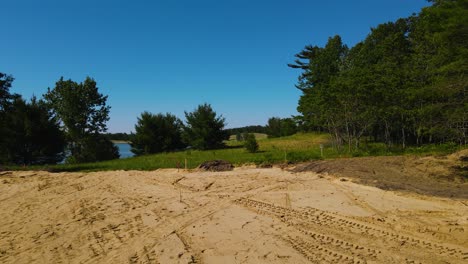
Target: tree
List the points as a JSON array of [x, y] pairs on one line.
[[405, 83], [439, 68], [29, 134], [95, 147], [319, 102], [156, 133], [5, 95], [204, 129], [5, 101], [83, 112], [281, 127], [250, 143], [33, 135]]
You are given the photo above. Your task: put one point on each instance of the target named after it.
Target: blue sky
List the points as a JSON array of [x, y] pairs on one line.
[[170, 56]]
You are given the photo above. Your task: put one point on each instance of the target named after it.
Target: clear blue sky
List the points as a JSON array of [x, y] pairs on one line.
[[170, 56]]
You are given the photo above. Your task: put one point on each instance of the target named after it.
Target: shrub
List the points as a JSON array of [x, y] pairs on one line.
[[250, 144]]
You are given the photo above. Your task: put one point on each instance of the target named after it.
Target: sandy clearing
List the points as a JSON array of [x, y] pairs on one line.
[[247, 215]]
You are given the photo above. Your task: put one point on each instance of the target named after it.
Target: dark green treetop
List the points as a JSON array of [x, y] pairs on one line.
[[82, 110], [204, 129], [156, 133]]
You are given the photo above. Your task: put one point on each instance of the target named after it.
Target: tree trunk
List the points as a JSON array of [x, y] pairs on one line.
[[403, 137]]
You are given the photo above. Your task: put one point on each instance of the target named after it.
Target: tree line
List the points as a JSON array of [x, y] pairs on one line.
[[67, 122], [119, 136], [276, 127], [405, 83], [155, 133]]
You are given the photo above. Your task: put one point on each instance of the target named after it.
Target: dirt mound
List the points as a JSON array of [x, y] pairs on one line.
[[216, 165], [444, 176]]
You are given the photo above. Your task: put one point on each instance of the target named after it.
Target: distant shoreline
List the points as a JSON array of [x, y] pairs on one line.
[[121, 141]]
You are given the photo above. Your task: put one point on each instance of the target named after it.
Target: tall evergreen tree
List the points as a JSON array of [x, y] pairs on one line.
[[156, 133], [319, 104], [5, 101], [5, 95], [204, 129], [32, 135], [28, 132]]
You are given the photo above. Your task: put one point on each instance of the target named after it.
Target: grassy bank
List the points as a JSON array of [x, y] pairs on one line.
[[299, 147], [296, 148]]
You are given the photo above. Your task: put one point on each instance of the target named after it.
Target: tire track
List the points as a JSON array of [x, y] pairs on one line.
[[305, 220], [175, 225], [355, 199], [317, 253]]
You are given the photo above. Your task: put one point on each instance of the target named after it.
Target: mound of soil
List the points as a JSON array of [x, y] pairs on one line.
[[216, 165], [443, 176]]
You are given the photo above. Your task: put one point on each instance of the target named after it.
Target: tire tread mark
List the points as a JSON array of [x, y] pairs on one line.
[[336, 221]]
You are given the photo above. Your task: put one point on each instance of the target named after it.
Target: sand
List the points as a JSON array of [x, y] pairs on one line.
[[248, 215]]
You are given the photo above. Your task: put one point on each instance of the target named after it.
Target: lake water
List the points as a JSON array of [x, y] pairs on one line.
[[124, 150]]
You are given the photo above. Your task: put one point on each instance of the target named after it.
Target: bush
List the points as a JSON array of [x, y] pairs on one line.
[[250, 144]]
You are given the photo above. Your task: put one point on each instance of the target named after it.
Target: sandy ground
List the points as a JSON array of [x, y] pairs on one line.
[[247, 215]]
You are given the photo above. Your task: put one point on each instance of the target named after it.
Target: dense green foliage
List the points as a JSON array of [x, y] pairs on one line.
[[28, 133], [204, 129], [5, 102], [250, 144], [5, 95], [404, 84], [95, 147], [34, 136], [84, 113], [281, 127], [155, 133]]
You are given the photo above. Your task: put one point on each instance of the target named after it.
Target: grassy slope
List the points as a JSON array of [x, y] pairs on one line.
[[296, 148]]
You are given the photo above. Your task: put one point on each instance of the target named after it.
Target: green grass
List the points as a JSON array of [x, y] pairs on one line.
[[299, 147], [296, 148], [380, 149]]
